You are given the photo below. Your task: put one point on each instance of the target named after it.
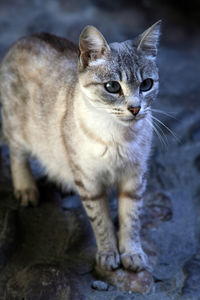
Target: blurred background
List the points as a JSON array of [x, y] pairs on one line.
[[171, 219], [119, 18]]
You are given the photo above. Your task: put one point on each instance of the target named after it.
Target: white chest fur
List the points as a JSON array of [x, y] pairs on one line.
[[101, 144]]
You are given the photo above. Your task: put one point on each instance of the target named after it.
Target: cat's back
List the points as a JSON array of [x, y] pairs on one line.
[[61, 45], [37, 58], [44, 46], [50, 49], [36, 77]]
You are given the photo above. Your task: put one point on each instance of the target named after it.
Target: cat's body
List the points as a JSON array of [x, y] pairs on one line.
[[56, 107]]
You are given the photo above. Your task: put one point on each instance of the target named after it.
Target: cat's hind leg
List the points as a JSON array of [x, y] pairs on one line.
[[25, 188]]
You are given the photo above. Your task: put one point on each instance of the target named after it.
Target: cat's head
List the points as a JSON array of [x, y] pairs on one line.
[[120, 78]]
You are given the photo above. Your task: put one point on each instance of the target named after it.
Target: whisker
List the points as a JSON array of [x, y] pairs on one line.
[[162, 140], [157, 132], [164, 113], [174, 135], [161, 131]]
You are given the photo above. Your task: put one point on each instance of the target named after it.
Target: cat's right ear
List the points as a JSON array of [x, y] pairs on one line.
[[92, 46]]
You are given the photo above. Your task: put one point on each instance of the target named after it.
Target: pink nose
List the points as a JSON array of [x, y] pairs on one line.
[[134, 109]]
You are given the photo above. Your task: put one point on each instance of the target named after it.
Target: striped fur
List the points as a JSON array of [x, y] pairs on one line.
[[55, 107]]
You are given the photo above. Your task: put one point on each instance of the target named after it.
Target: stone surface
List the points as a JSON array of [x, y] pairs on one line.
[[8, 234], [100, 285], [192, 271], [42, 281], [48, 252], [158, 208], [197, 162], [125, 280]]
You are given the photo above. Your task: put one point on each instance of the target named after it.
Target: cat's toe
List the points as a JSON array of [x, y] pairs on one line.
[[134, 261], [108, 260], [27, 196]]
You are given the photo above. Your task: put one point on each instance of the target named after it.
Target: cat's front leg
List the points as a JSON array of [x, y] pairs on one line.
[[25, 188], [96, 205], [130, 194]]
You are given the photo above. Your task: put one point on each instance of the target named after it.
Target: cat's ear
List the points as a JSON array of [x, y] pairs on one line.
[[92, 46], [148, 40]]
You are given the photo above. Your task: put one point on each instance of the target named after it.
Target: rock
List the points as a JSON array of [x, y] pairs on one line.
[[100, 285], [159, 198], [8, 234], [169, 287], [158, 209], [195, 132], [4, 165], [151, 251], [125, 280], [43, 281], [72, 202], [197, 163], [192, 272]]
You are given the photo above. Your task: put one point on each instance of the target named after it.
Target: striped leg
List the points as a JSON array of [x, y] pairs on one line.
[[96, 206], [130, 203]]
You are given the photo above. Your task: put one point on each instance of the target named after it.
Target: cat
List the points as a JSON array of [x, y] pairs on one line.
[[85, 113]]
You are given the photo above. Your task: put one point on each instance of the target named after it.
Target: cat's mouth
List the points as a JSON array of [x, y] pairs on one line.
[[127, 119], [131, 119]]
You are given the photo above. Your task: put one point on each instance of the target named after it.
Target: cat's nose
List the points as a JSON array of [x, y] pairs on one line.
[[134, 109]]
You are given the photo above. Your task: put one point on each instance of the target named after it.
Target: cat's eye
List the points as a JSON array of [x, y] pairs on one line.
[[146, 85], [112, 87]]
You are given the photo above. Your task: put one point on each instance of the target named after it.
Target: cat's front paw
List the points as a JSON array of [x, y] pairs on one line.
[[27, 196], [108, 260], [135, 261]]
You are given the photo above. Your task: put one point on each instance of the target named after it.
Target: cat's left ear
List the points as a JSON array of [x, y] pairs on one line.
[[148, 40], [92, 46]]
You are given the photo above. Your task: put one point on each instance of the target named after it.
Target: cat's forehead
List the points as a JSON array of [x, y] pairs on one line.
[[125, 65], [122, 50], [123, 61]]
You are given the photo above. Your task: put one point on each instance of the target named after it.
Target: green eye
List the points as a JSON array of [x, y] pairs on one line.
[[146, 85], [112, 87]]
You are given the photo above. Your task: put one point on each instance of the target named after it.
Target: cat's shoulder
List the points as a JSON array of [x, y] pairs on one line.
[[58, 43], [44, 43]]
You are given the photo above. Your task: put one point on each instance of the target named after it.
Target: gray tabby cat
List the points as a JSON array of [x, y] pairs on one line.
[[86, 115]]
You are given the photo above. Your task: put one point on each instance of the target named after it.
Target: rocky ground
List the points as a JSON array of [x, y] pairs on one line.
[[47, 253]]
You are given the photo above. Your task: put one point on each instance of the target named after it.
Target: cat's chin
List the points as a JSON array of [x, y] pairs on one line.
[[127, 120]]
